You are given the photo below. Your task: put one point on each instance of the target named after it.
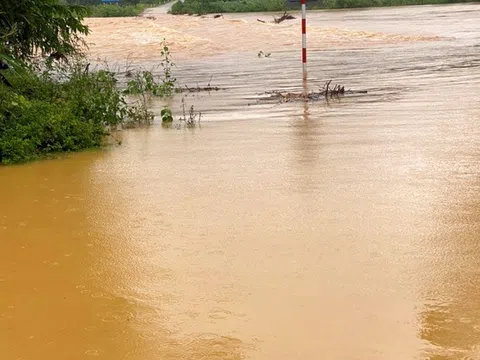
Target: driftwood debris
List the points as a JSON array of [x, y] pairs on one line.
[[209, 87], [200, 89], [217, 16], [285, 16], [336, 91], [327, 92]]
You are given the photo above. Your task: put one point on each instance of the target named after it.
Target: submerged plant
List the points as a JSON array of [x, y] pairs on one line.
[[192, 119], [146, 82], [167, 64], [166, 115]]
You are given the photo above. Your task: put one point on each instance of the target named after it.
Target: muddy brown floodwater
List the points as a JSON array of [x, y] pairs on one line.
[[340, 230]]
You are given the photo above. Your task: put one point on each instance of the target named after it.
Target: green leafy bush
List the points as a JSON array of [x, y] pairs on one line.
[[40, 115], [32, 128], [65, 107], [166, 115], [68, 108], [32, 27]]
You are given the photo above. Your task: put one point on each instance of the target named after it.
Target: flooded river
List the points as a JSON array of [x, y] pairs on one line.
[[340, 230]]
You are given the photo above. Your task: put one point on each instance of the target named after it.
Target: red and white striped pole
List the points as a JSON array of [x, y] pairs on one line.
[[304, 38]]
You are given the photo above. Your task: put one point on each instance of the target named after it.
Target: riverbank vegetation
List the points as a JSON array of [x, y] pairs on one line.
[[116, 11], [125, 8], [339, 4], [225, 6], [50, 99], [40, 114]]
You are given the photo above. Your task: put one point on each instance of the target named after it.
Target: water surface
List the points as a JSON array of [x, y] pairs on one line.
[[339, 230]]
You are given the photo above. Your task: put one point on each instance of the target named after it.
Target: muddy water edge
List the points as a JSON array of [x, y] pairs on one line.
[[339, 230]]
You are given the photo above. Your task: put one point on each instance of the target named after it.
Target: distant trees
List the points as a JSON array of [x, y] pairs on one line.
[[122, 2], [81, 2], [221, 6]]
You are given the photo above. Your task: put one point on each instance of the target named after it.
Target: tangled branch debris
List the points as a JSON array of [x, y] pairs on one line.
[[325, 93], [209, 87], [285, 16], [200, 89]]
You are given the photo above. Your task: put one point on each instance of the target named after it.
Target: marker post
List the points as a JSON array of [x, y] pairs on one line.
[[304, 38]]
